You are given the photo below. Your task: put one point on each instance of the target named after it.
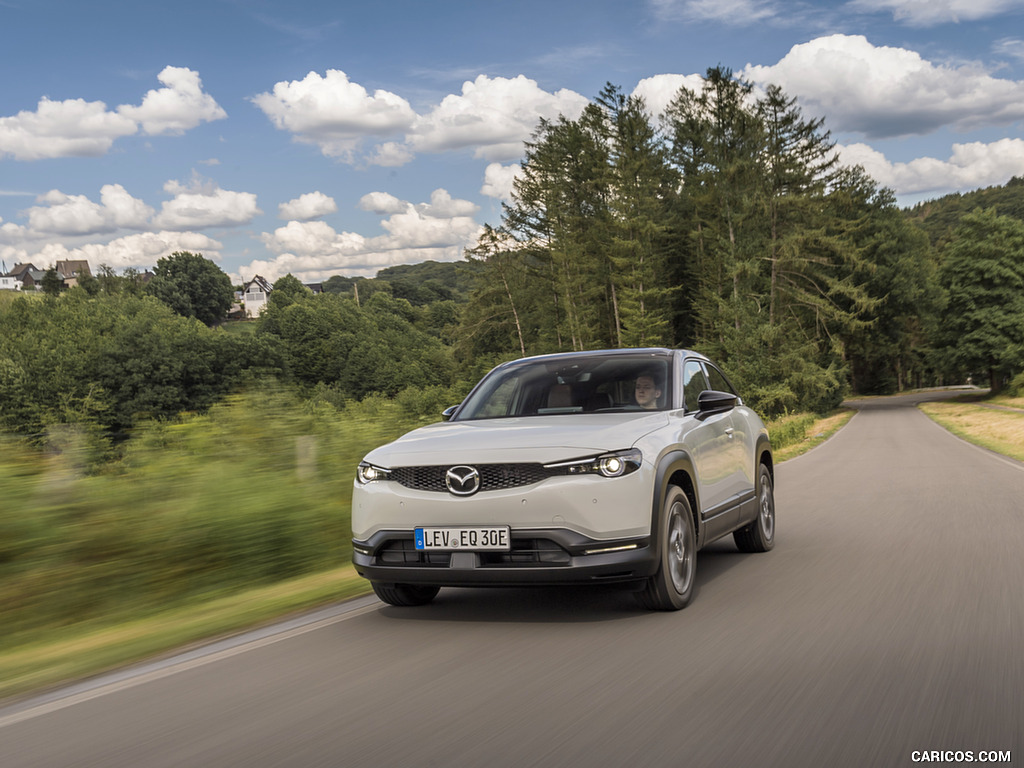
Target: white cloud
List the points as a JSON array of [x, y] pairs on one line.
[[72, 128], [971, 166], [494, 116], [1008, 46], [498, 180], [334, 113], [737, 12], [491, 116], [391, 154], [443, 206], [138, 250], [79, 128], [176, 108], [199, 205], [884, 92], [659, 91], [77, 215], [926, 13], [440, 230], [382, 203], [311, 205]]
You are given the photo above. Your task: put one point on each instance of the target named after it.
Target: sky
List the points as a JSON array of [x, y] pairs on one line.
[[323, 138]]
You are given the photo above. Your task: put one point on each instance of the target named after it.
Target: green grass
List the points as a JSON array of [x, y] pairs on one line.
[[798, 433]]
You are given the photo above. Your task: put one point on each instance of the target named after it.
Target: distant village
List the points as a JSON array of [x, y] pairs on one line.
[[249, 302]]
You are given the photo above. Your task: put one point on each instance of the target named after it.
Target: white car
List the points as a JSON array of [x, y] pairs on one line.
[[581, 468]]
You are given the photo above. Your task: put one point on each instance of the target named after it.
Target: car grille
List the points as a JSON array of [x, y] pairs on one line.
[[493, 477], [524, 553]]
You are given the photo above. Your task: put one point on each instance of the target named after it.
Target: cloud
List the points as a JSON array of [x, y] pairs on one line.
[[883, 92], [334, 113], [439, 230], [659, 91], [927, 13], [137, 250], [311, 205], [71, 128], [493, 116], [443, 206], [79, 128], [1008, 46], [498, 180], [202, 204], [77, 215], [971, 166], [735, 12], [382, 203], [176, 108]]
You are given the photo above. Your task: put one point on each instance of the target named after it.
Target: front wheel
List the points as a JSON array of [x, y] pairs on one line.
[[759, 536], [405, 595], [671, 588]]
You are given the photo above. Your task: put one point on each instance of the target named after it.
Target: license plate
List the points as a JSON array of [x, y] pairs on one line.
[[485, 539]]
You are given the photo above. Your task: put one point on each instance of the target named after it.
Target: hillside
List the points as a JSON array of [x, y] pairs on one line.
[[938, 218]]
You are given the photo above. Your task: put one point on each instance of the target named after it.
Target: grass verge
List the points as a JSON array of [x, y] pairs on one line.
[[76, 653], [795, 435], [54, 661], [996, 429]]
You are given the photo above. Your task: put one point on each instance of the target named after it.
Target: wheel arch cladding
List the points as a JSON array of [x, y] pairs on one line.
[[675, 468]]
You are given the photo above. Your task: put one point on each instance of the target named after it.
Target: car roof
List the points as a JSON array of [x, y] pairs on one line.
[[629, 351]]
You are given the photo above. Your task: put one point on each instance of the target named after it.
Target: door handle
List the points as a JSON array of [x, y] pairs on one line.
[[729, 431]]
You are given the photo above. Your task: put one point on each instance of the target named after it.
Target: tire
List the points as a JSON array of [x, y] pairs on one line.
[[671, 588], [759, 536], [405, 595]]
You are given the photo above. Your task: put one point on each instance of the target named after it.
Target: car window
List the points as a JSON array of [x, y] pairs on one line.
[[598, 383], [694, 383], [717, 380]]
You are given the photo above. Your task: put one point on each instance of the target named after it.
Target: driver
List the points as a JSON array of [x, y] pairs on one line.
[[646, 392]]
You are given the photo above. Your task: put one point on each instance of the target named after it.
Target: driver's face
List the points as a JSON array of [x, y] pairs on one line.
[[645, 393]]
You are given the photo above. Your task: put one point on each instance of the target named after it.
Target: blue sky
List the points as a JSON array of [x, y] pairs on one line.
[[324, 138]]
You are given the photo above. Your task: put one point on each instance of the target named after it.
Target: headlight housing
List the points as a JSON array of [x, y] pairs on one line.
[[614, 464], [371, 473]]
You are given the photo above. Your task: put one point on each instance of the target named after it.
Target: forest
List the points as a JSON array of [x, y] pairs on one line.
[[140, 430]]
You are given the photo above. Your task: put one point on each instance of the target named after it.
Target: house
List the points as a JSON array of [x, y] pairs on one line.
[[27, 277], [71, 270], [9, 283], [254, 295]]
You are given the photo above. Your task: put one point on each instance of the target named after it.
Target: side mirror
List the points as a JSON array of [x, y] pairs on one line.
[[448, 412], [712, 401]]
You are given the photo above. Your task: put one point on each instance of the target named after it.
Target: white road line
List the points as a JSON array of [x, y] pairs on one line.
[[182, 663]]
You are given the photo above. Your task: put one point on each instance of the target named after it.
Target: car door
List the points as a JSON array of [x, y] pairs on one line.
[[741, 442], [711, 443]]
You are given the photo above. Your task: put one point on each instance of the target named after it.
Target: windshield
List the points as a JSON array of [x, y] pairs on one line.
[[587, 384]]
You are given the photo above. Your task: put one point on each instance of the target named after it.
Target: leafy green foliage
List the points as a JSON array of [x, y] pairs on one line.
[[248, 494], [109, 360], [983, 271], [192, 286]]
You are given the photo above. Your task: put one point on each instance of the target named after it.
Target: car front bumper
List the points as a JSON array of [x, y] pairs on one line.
[[538, 557]]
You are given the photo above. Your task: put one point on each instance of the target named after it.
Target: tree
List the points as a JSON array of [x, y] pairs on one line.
[[288, 290], [192, 286], [52, 284], [983, 271]]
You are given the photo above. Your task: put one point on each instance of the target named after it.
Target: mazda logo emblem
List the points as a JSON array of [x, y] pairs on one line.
[[462, 481]]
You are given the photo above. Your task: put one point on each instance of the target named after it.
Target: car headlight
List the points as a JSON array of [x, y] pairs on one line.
[[369, 473], [615, 464]]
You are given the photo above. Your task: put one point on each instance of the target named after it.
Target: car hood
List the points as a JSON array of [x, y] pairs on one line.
[[541, 439]]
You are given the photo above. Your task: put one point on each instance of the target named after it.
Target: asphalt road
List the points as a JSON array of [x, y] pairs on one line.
[[888, 620]]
